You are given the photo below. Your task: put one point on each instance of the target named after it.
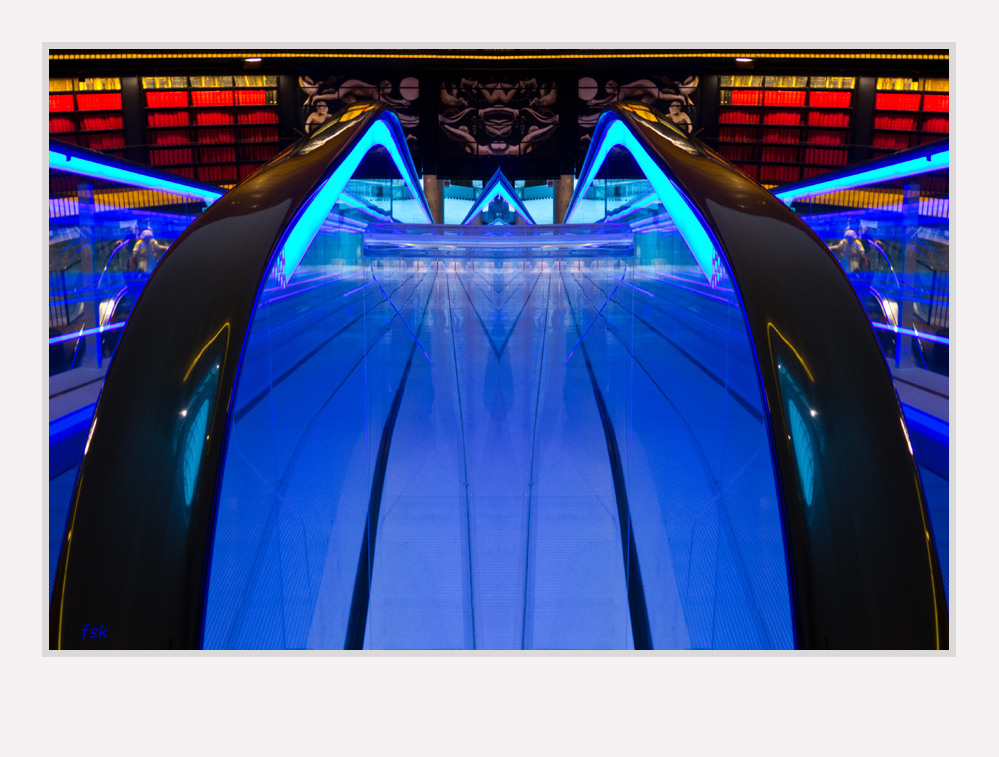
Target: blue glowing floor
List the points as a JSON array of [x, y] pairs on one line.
[[514, 459]]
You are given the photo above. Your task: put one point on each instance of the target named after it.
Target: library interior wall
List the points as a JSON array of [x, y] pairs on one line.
[[532, 123]]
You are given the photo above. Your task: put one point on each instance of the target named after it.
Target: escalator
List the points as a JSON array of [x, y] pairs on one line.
[[584, 447]]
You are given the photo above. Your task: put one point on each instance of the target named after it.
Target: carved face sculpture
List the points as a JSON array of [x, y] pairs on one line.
[[498, 117]]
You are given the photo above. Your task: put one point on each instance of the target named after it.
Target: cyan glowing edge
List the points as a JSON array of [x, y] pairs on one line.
[[304, 230], [914, 167], [487, 197], [96, 170], [688, 222]]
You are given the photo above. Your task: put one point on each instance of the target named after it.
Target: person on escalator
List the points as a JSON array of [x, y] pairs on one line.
[[851, 252], [145, 253]]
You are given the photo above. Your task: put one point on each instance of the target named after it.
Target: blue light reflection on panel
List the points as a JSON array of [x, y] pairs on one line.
[[112, 172], [867, 177], [300, 235], [802, 452], [692, 228]]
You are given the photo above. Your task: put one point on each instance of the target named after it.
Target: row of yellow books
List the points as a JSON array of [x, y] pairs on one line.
[[84, 85], [896, 84], [207, 82], [789, 82]]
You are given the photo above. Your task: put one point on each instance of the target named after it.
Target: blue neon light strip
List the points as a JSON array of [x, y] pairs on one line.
[[86, 332], [928, 425], [97, 170], [862, 178], [70, 424], [911, 332], [488, 196], [693, 229], [300, 235]]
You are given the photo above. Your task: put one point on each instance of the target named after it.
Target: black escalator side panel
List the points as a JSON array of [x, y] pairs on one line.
[[864, 572], [135, 559]]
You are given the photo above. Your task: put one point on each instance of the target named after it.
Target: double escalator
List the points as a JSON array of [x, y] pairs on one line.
[[337, 447]]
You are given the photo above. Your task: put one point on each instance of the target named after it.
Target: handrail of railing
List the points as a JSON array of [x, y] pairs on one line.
[[95, 165], [904, 164]]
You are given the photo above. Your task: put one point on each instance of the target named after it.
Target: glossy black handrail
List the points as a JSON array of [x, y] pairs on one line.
[[863, 569], [136, 556]]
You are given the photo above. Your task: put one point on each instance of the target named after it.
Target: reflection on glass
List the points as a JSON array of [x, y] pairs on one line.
[[893, 241], [105, 239]]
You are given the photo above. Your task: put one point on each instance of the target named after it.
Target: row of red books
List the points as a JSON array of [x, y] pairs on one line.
[[781, 154], [104, 141], [258, 134], [101, 122], [91, 123], [170, 157], [783, 118], [217, 173], [779, 173], [786, 99], [816, 118], [163, 138], [747, 97], [215, 136], [105, 101], [908, 123], [751, 170], [937, 124], [826, 137], [212, 136], [212, 97], [214, 118], [936, 103], [739, 117], [737, 152], [792, 136], [60, 103], [829, 99], [60, 123], [893, 101], [251, 97], [257, 117], [166, 99], [825, 157], [790, 99], [729, 134], [218, 154], [892, 141], [176, 118]]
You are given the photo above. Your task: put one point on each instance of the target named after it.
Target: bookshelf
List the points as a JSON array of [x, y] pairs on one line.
[[781, 129], [88, 113], [216, 129], [909, 112]]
